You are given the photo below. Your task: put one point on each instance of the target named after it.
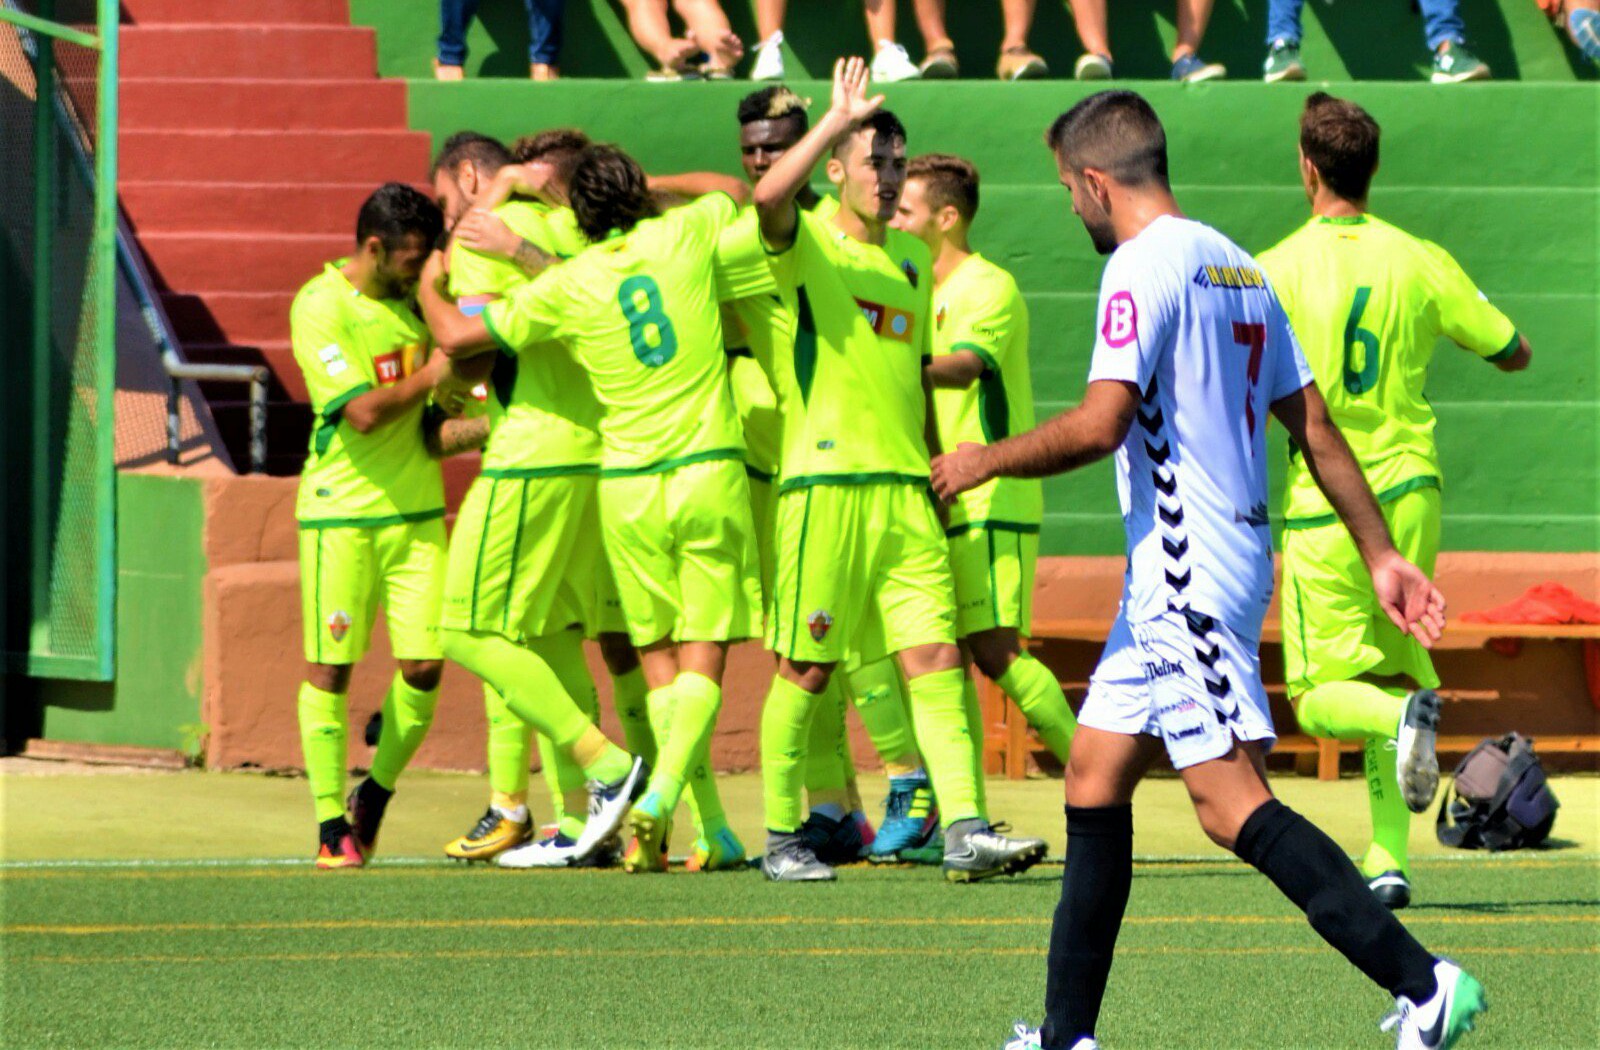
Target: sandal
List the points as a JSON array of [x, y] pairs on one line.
[[1020, 63]]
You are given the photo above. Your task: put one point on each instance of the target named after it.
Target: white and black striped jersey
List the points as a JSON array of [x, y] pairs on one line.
[[1188, 318]]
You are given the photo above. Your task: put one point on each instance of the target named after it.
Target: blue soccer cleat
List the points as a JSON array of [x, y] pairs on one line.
[[910, 818]]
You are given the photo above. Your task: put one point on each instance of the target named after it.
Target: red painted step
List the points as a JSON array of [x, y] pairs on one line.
[[274, 156], [292, 12], [229, 262], [329, 207], [229, 317], [192, 105], [248, 51]]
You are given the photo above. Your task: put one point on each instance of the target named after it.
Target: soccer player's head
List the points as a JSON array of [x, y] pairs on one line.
[[557, 147], [1338, 148], [463, 170], [940, 199], [771, 121], [1110, 149], [395, 231], [609, 192], [869, 167]]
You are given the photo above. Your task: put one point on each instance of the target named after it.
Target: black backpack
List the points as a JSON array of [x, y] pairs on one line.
[[1500, 799]]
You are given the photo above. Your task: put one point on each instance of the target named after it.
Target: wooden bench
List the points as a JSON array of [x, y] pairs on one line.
[[1009, 741]]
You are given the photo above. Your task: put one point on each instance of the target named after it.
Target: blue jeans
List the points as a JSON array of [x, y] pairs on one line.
[[544, 30], [1441, 21]]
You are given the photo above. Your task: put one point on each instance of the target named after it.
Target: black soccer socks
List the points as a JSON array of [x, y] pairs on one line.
[[1315, 874], [1094, 893]]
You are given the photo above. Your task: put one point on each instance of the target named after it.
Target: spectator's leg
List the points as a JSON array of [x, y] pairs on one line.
[[1193, 17], [1441, 23], [769, 17], [544, 37], [1089, 18], [712, 32], [1018, 17], [1017, 60], [890, 62], [1283, 21], [451, 53], [938, 50], [880, 20], [1583, 25], [648, 25]]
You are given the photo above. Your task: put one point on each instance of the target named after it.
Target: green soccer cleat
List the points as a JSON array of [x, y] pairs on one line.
[[1439, 1023], [1454, 64], [721, 852], [648, 850], [1283, 63]]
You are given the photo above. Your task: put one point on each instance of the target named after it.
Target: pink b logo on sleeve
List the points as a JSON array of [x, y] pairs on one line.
[[1121, 325]]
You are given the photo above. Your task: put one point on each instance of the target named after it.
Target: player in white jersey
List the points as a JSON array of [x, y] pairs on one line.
[[1192, 353]]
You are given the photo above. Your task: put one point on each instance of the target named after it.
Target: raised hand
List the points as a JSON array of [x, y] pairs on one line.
[[1409, 599], [850, 81]]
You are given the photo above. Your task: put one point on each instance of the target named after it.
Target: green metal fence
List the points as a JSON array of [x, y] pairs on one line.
[[58, 215]]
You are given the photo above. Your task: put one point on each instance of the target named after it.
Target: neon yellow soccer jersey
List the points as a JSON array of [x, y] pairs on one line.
[[850, 382], [347, 344], [979, 309], [1368, 303], [640, 313], [543, 416]]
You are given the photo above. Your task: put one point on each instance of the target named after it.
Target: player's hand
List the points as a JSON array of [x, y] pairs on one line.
[[1409, 598], [486, 233], [956, 472], [435, 273], [850, 81]]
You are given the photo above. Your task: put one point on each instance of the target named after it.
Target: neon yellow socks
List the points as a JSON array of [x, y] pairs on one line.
[[974, 713], [1391, 818], [569, 795], [879, 693], [826, 779], [1351, 711], [535, 694], [938, 710], [1038, 696], [629, 695], [688, 715], [407, 714], [785, 726], [323, 731], [510, 745], [705, 801]]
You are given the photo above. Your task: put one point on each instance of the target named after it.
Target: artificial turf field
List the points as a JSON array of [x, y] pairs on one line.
[[180, 910]]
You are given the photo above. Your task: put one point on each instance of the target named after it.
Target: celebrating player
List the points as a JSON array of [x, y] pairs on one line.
[[863, 563], [771, 121], [370, 508], [1193, 351], [639, 312], [983, 393], [526, 552], [1369, 303]]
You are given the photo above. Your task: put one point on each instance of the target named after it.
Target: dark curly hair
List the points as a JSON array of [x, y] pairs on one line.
[[396, 210], [609, 192]]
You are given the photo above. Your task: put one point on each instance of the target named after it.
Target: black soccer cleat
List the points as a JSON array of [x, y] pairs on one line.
[[834, 842], [1392, 889], [364, 809]]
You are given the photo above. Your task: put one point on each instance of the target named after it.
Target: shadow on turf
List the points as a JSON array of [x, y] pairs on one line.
[[1503, 907]]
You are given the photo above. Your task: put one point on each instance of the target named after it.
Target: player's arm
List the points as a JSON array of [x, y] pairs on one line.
[[373, 409], [1517, 360], [776, 192], [534, 179], [957, 370], [456, 334], [487, 234], [1077, 437], [1470, 320], [673, 190], [1411, 601], [446, 437]]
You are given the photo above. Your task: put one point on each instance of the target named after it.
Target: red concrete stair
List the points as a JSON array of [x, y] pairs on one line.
[[248, 51], [234, 103], [294, 12], [272, 156], [244, 206], [228, 262], [230, 317]]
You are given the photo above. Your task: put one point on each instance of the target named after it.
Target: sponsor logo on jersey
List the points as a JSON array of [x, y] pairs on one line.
[[1178, 706], [389, 367], [886, 321], [339, 625], [1236, 278], [819, 622], [1121, 323], [333, 361], [938, 318], [1184, 734], [1155, 670]]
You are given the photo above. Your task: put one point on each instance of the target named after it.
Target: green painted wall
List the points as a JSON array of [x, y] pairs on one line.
[[1506, 176], [160, 583], [1366, 40]]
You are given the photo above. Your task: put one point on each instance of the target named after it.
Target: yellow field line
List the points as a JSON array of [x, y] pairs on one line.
[[496, 955], [545, 922]]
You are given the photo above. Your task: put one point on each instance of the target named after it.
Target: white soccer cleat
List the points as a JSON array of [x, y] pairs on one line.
[[769, 59], [892, 64], [1416, 760], [608, 804], [1439, 1023], [555, 851], [1025, 1038]]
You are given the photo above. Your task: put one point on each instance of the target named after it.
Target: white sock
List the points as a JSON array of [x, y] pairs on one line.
[[831, 810], [516, 816]]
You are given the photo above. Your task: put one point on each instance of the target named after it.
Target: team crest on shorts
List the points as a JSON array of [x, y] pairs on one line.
[[339, 625], [819, 622]]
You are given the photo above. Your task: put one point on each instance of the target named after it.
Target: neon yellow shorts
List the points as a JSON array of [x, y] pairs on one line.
[[683, 549], [850, 555], [763, 509], [993, 570], [346, 573], [1333, 628], [525, 556]]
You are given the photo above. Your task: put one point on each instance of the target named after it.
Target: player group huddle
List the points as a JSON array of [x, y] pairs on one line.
[[713, 412]]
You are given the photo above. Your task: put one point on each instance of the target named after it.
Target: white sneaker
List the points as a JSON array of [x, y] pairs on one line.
[[769, 58], [1441, 1021], [892, 64], [608, 804], [1416, 758], [1025, 1038], [556, 851]]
